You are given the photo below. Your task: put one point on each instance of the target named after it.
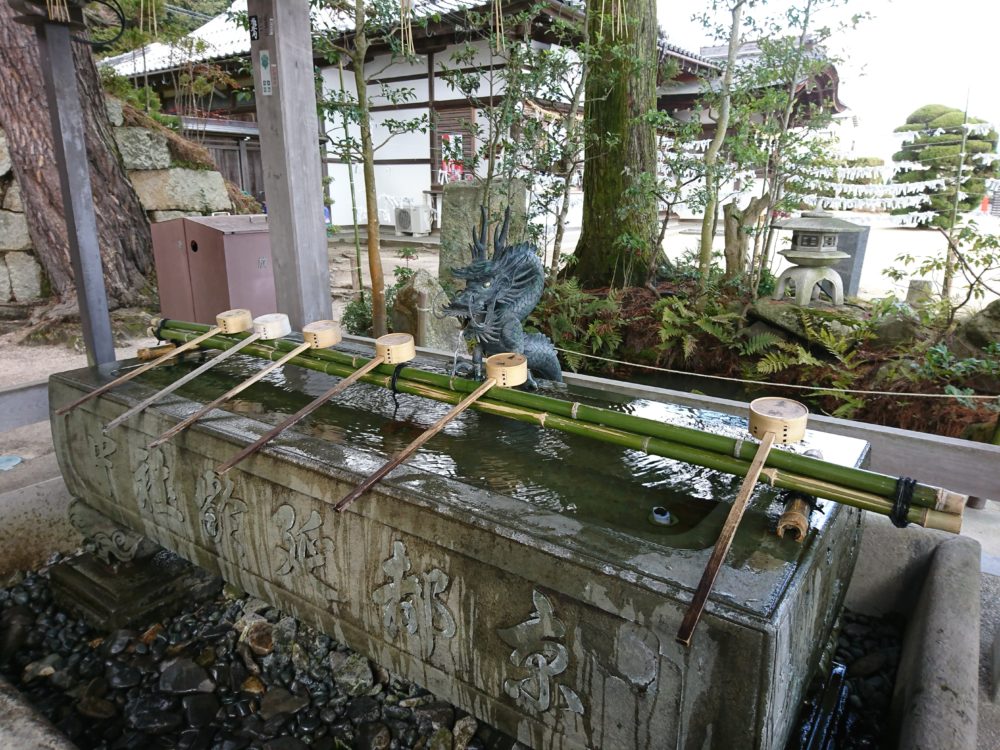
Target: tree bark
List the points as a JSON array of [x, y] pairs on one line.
[[735, 227], [712, 152], [123, 230], [571, 157], [619, 200], [379, 322]]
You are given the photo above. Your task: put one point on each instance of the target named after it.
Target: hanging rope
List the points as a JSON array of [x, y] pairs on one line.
[[58, 10], [499, 31], [780, 385], [618, 18], [147, 18], [406, 28]]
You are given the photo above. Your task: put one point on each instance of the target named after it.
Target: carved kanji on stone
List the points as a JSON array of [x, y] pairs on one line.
[[303, 549], [539, 650], [153, 484], [413, 602], [221, 514], [100, 449]]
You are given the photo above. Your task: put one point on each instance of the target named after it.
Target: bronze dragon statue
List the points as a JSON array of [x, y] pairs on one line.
[[500, 292]]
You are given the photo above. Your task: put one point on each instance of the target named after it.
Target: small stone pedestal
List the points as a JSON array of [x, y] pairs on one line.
[[111, 597], [124, 578], [807, 281]]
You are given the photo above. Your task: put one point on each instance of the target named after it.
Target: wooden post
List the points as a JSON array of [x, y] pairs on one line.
[[282, 60], [56, 53]]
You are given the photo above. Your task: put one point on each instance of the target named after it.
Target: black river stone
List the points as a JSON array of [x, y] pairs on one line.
[[184, 676]]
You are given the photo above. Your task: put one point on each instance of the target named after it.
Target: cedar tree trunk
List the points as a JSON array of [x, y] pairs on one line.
[[122, 227], [619, 200]]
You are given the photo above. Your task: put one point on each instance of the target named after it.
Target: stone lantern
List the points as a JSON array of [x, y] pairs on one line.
[[814, 250]]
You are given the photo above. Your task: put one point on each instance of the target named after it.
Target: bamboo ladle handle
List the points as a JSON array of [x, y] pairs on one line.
[[508, 369], [723, 543], [771, 420], [393, 348], [266, 326], [319, 335], [167, 390], [230, 321]]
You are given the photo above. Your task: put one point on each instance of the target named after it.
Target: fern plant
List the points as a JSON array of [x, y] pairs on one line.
[[681, 325], [580, 323]]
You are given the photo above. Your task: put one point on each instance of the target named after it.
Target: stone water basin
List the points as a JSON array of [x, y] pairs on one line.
[[509, 568]]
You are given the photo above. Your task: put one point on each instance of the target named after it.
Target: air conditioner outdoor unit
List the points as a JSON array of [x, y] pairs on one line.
[[415, 220]]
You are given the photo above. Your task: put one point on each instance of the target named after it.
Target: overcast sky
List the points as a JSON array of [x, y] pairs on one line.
[[911, 53]]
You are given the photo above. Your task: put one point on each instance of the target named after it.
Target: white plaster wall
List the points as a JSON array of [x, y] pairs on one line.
[[400, 184], [396, 185], [381, 68], [413, 145], [340, 192], [483, 57]]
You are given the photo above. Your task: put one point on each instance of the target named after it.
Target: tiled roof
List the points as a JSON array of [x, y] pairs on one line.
[[223, 37]]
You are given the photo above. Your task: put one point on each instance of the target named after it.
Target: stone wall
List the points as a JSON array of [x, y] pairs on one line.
[[166, 188], [20, 274]]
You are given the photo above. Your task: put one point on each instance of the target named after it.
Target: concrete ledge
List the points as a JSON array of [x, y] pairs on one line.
[[936, 700], [892, 566], [24, 404], [22, 727]]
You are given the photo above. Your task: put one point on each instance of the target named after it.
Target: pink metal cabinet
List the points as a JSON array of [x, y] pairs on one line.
[[225, 263]]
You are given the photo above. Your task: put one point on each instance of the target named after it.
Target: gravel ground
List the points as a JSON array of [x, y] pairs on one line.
[[870, 648], [29, 364], [230, 674]]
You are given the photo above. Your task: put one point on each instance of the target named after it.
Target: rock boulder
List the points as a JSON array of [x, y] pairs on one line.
[[14, 231], [980, 329], [438, 333], [4, 155], [899, 328], [114, 109], [142, 149], [25, 276], [181, 190], [12, 199], [460, 216], [5, 291]]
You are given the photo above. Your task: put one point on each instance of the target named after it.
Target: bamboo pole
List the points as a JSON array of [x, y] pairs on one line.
[[926, 496], [452, 388], [794, 521]]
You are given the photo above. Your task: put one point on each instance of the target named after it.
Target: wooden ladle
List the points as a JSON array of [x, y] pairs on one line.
[[266, 326], [230, 321], [393, 348], [508, 369], [771, 420], [319, 335]]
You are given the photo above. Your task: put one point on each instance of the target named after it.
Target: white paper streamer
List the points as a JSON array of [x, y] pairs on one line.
[[978, 128], [877, 191], [865, 204], [888, 222]]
